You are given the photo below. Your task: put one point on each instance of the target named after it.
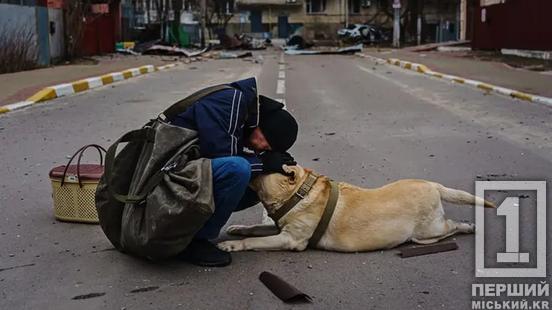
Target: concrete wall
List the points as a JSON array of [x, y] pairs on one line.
[[57, 50]]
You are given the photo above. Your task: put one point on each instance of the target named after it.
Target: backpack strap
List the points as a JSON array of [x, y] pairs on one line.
[[146, 134], [181, 106]]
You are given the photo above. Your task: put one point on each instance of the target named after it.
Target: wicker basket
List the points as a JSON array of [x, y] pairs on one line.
[[74, 188]]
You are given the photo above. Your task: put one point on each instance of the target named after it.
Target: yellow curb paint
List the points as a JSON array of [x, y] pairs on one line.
[[106, 79], [4, 110], [43, 95], [484, 86], [127, 74], [143, 70], [81, 85], [457, 80], [423, 68], [487, 87], [522, 96]]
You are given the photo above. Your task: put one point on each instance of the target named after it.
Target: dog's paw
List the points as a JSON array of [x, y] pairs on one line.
[[236, 230], [231, 246]]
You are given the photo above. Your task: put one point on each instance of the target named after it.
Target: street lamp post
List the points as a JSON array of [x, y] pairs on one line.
[[397, 23]]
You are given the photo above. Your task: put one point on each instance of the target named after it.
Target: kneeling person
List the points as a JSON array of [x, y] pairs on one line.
[[244, 135]]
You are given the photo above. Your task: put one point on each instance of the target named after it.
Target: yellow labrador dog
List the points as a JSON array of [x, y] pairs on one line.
[[364, 219]]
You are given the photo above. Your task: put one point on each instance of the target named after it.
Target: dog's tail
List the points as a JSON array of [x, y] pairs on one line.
[[461, 197]]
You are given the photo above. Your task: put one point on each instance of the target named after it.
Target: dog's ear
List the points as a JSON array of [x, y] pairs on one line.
[[291, 173]]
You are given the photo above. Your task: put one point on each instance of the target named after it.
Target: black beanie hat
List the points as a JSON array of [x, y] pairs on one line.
[[278, 126]]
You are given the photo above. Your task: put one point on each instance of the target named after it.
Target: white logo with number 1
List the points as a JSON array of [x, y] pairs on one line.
[[510, 209]]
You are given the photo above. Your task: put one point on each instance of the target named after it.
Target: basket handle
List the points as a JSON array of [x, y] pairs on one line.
[[80, 152]]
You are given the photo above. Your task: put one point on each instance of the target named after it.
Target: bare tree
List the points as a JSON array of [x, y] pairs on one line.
[[217, 16], [17, 49], [384, 15], [75, 12]]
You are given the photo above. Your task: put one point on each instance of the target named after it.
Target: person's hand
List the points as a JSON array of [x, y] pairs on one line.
[[273, 161]]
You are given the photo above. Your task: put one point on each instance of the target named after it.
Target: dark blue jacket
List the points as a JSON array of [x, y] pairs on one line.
[[221, 120]]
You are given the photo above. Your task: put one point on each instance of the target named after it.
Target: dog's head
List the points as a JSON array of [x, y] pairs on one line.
[[274, 189]]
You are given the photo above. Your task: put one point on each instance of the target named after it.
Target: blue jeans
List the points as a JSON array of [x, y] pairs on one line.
[[231, 193]]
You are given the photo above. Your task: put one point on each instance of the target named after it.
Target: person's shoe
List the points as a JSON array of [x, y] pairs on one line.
[[202, 252]]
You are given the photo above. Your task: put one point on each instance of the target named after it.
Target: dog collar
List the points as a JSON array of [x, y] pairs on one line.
[[297, 196]]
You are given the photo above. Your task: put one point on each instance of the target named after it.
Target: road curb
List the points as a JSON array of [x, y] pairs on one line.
[[65, 89], [489, 88]]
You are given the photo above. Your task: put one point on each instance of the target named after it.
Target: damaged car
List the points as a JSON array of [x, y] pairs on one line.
[[364, 33]]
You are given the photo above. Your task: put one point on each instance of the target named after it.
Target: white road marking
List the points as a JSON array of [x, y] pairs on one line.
[[282, 74], [282, 67], [281, 87]]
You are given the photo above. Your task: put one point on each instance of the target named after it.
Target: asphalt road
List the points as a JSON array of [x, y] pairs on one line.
[[361, 123]]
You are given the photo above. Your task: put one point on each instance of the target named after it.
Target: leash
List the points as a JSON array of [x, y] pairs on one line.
[[326, 216]]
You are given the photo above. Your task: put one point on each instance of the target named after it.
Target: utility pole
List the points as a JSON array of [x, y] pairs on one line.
[[346, 8], [397, 23], [202, 21], [420, 11], [463, 21]]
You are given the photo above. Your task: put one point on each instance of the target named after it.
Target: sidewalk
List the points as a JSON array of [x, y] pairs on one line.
[[18, 86], [492, 72]]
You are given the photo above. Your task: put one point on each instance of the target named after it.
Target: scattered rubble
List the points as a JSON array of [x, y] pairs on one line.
[[297, 42], [428, 249], [326, 51], [242, 41], [88, 296], [283, 290], [230, 55], [169, 50]]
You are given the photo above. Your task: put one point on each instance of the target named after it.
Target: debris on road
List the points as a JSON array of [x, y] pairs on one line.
[[428, 249], [345, 50], [145, 289], [230, 55], [170, 50], [88, 296], [432, 46], [242, 41], [283, 290], [127, 51], [296, 42]]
